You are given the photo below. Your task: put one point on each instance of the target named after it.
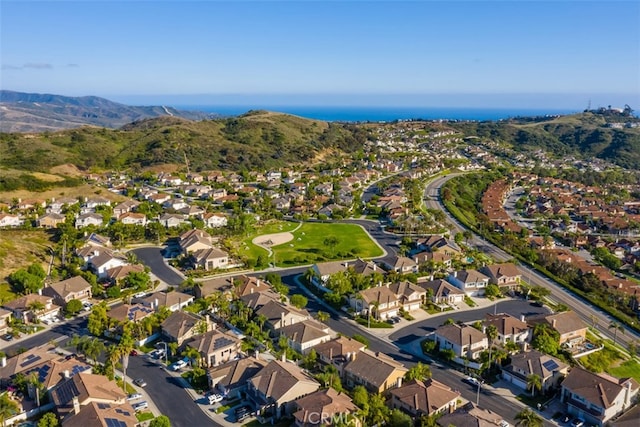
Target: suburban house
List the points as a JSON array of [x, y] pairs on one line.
[[245, 285], [509, 328], [171, 220], [83, 389], [23, 362], [279, 315], [210, 259], [433, 257], [99, 261], [503, 275], [465, 341], [548, 368], [88, 219], [102, 414], [10, 221], [5, 318], [338, 352], [172, 300], [214, 220], [380, 302], [32, 307], [424, 398], [440, 291], [377, 372], [117, 274], [439, 244], [50, 220], [132, 218], [215, 347], [274, 389], [231, 378], [73, 288], [325, 407], [180, 326], [597, 398], [410, 296], [208, 287], [470, 416], [194, 240], [257, 300], [129, 312], [302, 336], [571, 328], [401, 264], [472, 282], [322, 271]]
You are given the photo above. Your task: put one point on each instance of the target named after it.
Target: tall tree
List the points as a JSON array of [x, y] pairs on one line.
[[616, 327], [491, 332], [534, 382], [8, 408], [528, 418]]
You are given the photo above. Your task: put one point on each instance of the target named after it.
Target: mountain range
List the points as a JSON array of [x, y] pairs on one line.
[[34, 112]]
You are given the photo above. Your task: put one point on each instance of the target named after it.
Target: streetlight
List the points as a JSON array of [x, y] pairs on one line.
[[478, 392]]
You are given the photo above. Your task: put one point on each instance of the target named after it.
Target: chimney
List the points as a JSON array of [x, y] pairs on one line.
[[283, 358], [522, 318], [282, 319], [3, 361], [553, 322], [399, 382], [257, 354], [330, 354], [207, 321], [524, 346], [40, 291], [155, 304], [76, 405], [66, 373]]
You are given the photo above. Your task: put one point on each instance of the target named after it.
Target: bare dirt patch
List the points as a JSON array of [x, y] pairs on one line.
[[19, 248], [67, 170], [275, 239]]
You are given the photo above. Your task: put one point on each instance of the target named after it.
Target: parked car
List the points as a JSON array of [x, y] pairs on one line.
[[242, 413], [140, 405], [215, 398], [176, 366], [471, 380], [577, 422], [7, 337], [134, 396], [140, 382]]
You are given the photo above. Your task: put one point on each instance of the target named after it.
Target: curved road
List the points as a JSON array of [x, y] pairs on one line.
[[585, 310]]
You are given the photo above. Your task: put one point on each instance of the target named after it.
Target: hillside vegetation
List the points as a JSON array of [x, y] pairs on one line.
[[258, 139], [582, 134]]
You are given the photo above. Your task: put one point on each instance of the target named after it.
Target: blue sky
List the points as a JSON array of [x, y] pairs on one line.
[[430, 53]]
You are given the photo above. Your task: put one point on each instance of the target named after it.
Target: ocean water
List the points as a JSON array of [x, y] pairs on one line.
[[380, 114]]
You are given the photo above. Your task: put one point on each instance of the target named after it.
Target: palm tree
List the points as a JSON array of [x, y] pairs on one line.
[[8, 407], [309, 275], [491, 332], [616, 327], [322, 316], [261, 319], [192, 354], [534, 382], [528, 418], [36, 307]]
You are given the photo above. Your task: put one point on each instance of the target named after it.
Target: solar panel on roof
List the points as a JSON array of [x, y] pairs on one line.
[[550, 365], [123, 412], [113, 422], [103, 405], [29, 360]]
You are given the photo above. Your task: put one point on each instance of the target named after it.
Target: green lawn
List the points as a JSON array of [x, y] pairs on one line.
[[308, 245], [630, 368], [5, 293]]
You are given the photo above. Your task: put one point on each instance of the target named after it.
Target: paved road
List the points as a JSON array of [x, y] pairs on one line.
[[559, 294]]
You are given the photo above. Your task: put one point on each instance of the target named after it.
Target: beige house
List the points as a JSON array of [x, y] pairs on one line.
[[231, 378], [73, 288], [548, 368], [5, 318], [32, 307], [571, 328], [377, 372], [338, 352], [129, 312], [410, 296], [172, 300], [509, 328], [180, 326], [597, 398], [280, 315], [215, 347], [211, 259], [274, 389], [303, 336], [440, 291], [194, 240], [465, 341], [503, 275], [83, 389], [103, 414], [50, 220], [424, 398], [380, 302], [325, 407]]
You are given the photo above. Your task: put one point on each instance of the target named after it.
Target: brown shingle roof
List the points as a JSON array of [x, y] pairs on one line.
[[425, 397], [460, 334], [594, 388], [236, 372], [374, 368], [69, 286], [278, 380], [565, 322], [322, 405], [179, 323]]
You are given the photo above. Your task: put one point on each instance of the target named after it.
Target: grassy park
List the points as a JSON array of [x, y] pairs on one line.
[[313, 242]]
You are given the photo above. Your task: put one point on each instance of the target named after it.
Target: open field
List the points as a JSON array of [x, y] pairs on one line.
[[629, 368], [308, 245], [19, 248], [86, 190]]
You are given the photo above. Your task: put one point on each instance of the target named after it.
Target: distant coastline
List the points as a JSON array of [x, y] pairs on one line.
[[381, 114]]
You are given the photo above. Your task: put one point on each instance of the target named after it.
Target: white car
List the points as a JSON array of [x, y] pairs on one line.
[[134, 396], [215, 398], [176, 366], [140, 405]]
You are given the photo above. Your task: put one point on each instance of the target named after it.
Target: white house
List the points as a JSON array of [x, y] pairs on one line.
[[8, 220], [87, 219]]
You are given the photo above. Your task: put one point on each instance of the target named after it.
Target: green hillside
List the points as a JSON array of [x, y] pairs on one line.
[[258, 139], [584, 134]]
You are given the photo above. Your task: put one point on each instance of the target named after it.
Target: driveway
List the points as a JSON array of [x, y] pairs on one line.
[[152, 258]]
